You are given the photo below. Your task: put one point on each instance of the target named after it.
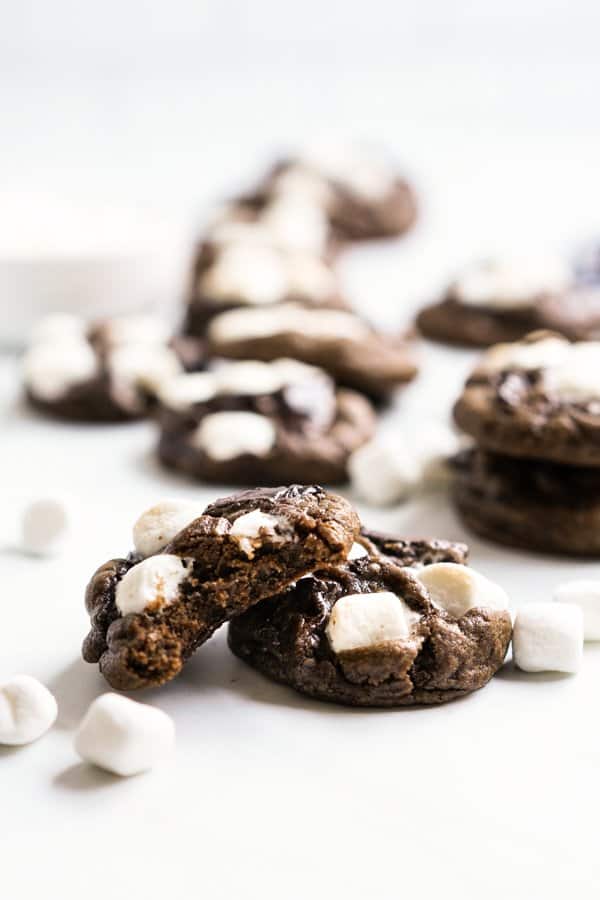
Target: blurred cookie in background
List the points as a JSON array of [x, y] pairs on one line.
[[107, 371], [496, 300], [251, 273], [351, 351], [261, 423]]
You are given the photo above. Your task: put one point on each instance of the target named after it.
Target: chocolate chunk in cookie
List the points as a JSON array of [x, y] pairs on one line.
[[539, 398], [261, 423], [149, 613], [372, 633], [530, 504], [108, 371], [353, 353], [495, 301]]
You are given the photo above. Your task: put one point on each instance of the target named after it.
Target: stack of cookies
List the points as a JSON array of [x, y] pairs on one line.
[[533, 478], [314, 601]]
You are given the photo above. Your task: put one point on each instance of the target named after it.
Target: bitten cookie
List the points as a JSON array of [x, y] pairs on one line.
[[495, 301], [539, 398], [261, 423], [108, 371], [249, 273], [529, 504], [191, 571], [372, 633], [353, 353]]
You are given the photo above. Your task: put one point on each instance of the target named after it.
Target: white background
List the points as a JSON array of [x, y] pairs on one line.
[[156, 109]]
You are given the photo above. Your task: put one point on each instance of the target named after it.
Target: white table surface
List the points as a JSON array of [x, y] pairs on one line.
[[271, 795]]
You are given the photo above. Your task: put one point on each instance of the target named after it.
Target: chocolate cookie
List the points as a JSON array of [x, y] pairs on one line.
[[248, 273], [262, 423], [532, 505], [495, 301], [372, 633], [539, 399], [192, 572], [105, 372], [353, 353]]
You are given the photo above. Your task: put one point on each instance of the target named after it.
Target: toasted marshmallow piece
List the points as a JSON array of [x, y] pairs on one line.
[[146, 366], [586, 595], [507, 284], [50, 369], [577, 378], [382, 473], [58, 327], [46, 525], [27, 710], [526, 355], [357, 551], [366, 620], [457, 589], [156, 527], [548, 637], [225, 435], [124, 737], [188, 388], [136, 329], [151, 584], [243, 324], [253, 274]]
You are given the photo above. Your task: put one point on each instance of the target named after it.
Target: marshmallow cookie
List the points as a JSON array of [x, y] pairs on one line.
[[192, 570], [496, 300], [362, 192], [261, 423], [410, 625], [248, 272], [351, 351], [105, 372]]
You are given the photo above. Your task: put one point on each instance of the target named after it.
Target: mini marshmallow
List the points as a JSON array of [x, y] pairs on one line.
[[252, 274], [50, 369], [586, 595], [146, 366], [123, 736], [46, 525], [296, 223], [297, 181], [382, 473], [247, 529], [366, 620], [577, 378], [157, 526], [457, 589], [511, 284], [548, 637], [58, 327], [249, 377], [243, 324], [367, 174], [136, 329], [188, 388], [150, 584], [309, 276], [226, 435], [526, 355], [27, 710], [357, 551]]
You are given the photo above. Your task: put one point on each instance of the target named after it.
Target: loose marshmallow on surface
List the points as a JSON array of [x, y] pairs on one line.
[[150, 584], [525, 355], [46, 525], [157, 526], [243, 324], [383, 473], [586, 595], [226, 435], [548, 637], [51, 369], [510, 284], [365, 620], [124, 737], [27, 710], [457, 589]]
